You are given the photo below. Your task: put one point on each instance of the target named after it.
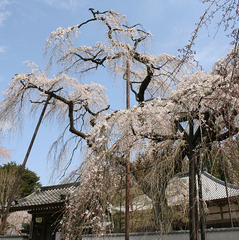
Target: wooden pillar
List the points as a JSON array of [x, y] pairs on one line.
[[32, 226], [193, 215], [44, 228]]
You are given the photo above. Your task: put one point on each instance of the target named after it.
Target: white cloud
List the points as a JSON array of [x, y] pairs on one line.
[[4, 14], [3, 3], [207, 55], [2, 49], [65, 4]]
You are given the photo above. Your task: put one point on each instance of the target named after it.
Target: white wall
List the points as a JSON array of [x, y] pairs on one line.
[[212, 234], [13, 238]]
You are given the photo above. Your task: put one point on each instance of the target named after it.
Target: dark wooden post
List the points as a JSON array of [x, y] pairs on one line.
[[127, 160], [32, 226], [193, 226]]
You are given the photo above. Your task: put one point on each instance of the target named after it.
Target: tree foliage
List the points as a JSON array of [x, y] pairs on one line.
[[28, 182], [8, 175]]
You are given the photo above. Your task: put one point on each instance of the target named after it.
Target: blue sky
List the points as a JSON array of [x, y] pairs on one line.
[[25, 24]]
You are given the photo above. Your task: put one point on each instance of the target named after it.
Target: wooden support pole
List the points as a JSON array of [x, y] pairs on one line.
[[127, 160], [16, 185]]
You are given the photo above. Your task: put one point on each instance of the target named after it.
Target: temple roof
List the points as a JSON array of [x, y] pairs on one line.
[[213, 189], [48, 197]]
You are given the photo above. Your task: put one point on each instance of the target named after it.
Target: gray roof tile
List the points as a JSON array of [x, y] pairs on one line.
[[213, 189], [46, 195]]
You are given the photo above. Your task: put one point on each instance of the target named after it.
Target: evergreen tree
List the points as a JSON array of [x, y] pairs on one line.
[[28, 181]]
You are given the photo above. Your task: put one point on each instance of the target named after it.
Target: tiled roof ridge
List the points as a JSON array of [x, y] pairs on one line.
[[210, 176], [219, 181], [59, 186], [46, 188], [46, 196]]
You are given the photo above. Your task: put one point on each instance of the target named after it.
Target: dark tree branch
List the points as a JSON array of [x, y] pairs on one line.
[[72, 125], [144, 85]]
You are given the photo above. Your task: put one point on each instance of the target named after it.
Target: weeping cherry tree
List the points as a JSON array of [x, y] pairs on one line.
[[174, 101]]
